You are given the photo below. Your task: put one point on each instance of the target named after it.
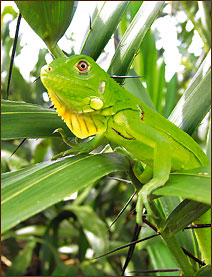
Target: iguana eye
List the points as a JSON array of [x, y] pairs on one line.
[[82, 66], [49, 68]]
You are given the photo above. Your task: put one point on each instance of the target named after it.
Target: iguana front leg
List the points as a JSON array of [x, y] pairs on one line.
[[80, 148], [137, 137]]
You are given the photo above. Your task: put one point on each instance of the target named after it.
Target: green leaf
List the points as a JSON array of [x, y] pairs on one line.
[[204, 271], [146, 65], [20, 90], [129, 14], [22, 120], [208, 149], [65, 270], [30, 190], [8, 10], [159, 87], [93, 227], [103, 24], [133, 37], [48, 19], [170, 96], [203, 236], [162, 257], [196, 100], [203, 23], [192, 184], [135, 86], [183, 215], [186, 237], [22, 261], [88, 269], [205, 19]]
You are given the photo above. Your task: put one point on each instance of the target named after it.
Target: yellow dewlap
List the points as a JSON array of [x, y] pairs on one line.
[[82, 125]]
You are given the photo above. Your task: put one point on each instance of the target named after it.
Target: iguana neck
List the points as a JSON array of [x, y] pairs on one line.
[[82, 125]]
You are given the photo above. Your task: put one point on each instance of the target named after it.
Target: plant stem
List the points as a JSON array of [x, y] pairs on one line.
[[56, 51]]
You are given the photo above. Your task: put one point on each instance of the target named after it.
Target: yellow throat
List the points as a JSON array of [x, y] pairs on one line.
[[82, 125]]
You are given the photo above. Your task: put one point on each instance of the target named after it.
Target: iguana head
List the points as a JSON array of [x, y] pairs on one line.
[[77, 86]]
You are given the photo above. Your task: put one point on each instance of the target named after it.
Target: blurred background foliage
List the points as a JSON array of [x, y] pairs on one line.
[[61, 240]]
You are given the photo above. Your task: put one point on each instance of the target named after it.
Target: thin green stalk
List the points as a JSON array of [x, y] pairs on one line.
[[56, 51]]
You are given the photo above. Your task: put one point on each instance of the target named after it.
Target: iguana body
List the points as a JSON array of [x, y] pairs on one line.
[[90, 102]]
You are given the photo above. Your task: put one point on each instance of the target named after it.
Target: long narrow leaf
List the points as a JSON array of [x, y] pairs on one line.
[[192, 184], [208, 149], [183, 215], [196, 100], [135, 86], [133, 37], [158, 249], [23, 120], [28, 191], [103, 25]]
